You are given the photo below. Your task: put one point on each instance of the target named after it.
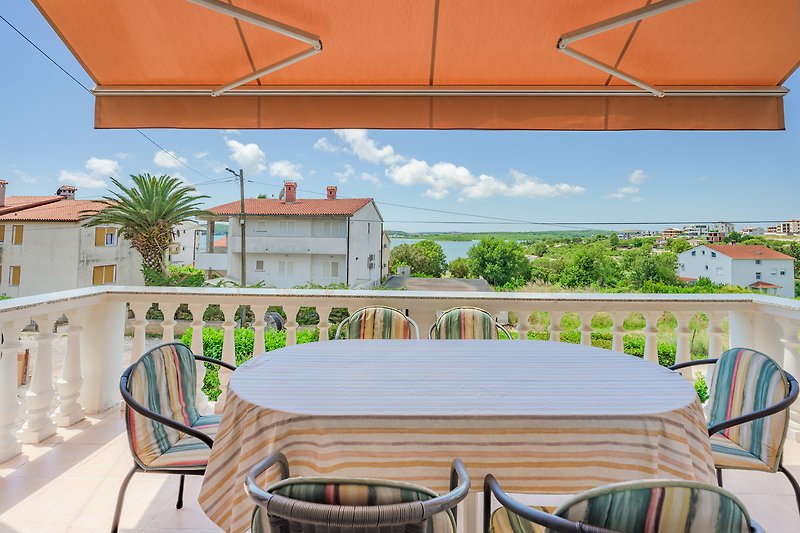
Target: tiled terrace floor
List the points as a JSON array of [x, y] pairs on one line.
[[70, 481]]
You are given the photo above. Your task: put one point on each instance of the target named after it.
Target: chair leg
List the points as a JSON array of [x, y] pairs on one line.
[[121, 498], [180, 493], [793, 481], [719, 477]]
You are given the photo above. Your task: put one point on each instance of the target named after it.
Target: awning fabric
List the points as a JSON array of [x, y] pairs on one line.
[[434, 64]]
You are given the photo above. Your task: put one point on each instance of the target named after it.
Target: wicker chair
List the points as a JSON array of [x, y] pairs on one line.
[[466, 323], [378, 322], [749, 412], [167, 434], [342, 505], [628, 507]]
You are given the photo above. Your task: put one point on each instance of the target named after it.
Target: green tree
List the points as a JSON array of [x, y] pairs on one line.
[[677, 246], [459, 267], [424, 257], [590, 266], [147, 214], [734, 237], [648, 267], [499, 262]]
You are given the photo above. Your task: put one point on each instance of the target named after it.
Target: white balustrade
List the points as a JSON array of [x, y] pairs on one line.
[[139, 328], [651, 335], [618, 331], [324, 326], [38, 425], [683, 347], [228, 352], [197, 310], [715, 334], [168, 323], [791, 363], [69, 409], [291, 323], [9, 404], [555, 325], [258, 329], [523, 324], [586, 327]]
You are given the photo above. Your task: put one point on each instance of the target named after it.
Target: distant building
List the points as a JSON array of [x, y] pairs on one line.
[[790, 227], [753, 266], [293, 241], [671, 233], [715, 232], [753, 231], [772, 230], [184, 243]]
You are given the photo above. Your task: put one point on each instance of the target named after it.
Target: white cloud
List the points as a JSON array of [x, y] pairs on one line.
[[200, 155], [637, 199], [81, 179], [102, 167], [123, 155], [523, 186], [233, 132], [345, 174], [324, 145], [249, 156], [166, 159], [98, 168], [638, 177], [367, 149], [24, 177], [286, 170]]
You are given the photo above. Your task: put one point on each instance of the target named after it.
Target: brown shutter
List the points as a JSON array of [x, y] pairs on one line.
[[2, 232], [15, 274], [109, 274], [97, 276], [99, 236], [17, 234]]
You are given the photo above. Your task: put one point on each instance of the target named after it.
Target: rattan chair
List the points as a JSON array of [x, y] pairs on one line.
[[466, 323], [342, 505], [749, 412], [667, 505], [166, 432], [378, 322]]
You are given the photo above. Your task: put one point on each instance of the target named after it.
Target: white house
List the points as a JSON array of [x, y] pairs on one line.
[[184, 243], [293, 241], [46, 247], [753, 266]]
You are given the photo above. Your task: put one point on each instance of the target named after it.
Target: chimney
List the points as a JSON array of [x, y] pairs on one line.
[[67, 192], [291, 192], [3, 184], [331, 192]]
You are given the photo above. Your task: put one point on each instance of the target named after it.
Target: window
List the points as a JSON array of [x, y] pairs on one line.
[[773, 272], [330, 270], [104, 274], [758, 261], [704, 252], [16, 235], [332, 229], [706, 267], [694, 253], [260, 266], [719, 271], [286, 269], [105, 236], [713, 254], [758, 275], [13, 276], [262, 225], [288, 228], [783, 272], [2, 233]]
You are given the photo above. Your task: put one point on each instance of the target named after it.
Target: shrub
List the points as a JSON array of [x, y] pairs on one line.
[[701, 387]]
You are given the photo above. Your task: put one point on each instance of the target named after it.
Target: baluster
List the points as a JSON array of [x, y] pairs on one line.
[[197, 311], [323, 326], [791, 363], [555, 325], [9, 404], [715, 334], [139, 328], [523, 324], [258, 329], [586, 327], [228, 353], [168, 324], [291, 323], [651, 335], [618, 331], [683, 350], [69, 409], [39, 397]]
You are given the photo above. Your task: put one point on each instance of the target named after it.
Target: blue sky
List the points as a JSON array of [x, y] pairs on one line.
[[48, 139]]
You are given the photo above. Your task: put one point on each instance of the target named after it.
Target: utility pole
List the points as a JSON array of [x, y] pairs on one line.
[[240, 178]]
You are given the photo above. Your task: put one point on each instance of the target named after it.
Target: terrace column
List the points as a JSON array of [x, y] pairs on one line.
[[258, 329], [791, 363], [683, 349], [197, 311], [291, 323], [741, 329], [101, 355], [651, 336], [715, 334], [9, 405], [228, 353], [555, 325], [168, 324], [586, 327], [38, 425], [139, 329], [523, 321], [69, 384], [618, 332], [324, 326]]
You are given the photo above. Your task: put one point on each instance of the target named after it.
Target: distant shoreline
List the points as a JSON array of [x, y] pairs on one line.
[[506, 235]]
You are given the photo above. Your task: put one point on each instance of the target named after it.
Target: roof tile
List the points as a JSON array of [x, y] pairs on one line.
[[302, 207], [747, 251]]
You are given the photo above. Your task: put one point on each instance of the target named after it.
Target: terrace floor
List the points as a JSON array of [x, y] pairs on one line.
[[69, 483]]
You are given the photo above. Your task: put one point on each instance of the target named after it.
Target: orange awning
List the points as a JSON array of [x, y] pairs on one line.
[[434, 64]]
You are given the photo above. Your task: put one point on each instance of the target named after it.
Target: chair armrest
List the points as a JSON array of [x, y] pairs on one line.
[[459, 488], [214, 361], [693, 363], [256, 493], [144, 411], [761, 413], [339, 329]]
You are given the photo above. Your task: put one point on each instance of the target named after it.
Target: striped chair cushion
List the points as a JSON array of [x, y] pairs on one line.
[[504, 521], [728, 454], [378, 323], [352, 492], [189, 452], [164, 381], [745, 381], [465, 323]]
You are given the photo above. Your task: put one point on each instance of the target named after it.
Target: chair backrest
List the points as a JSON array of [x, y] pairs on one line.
[[745, 381], [378, 322], [466, 323], [163, 380], [659, 505], [315, 504]]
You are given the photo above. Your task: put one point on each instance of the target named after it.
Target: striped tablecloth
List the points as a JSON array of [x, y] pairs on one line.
[[543, 417]]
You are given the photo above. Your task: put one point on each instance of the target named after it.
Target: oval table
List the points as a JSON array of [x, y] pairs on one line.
[[543, 417]]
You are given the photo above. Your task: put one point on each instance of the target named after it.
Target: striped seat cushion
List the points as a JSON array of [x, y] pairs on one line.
[[465, 323], [728, 454], [355, 492], [163, 380], [745, 381], [189, 452], [504, 521], [378, 323]]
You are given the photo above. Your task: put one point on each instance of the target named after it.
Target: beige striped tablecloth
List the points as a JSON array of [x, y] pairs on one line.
[[541, 416]]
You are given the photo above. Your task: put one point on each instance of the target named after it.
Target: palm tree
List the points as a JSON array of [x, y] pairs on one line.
[[147, 214]]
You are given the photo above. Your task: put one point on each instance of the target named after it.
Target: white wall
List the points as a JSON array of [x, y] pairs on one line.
[[186, 237], [366, 228], [704, 265]]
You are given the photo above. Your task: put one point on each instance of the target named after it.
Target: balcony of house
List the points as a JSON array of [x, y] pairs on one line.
[[63, 444], [290, 245]]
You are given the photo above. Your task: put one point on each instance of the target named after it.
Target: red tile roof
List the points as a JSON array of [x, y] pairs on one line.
[[222, 242], [747, 251], [764, 285], [686, 278], [59, 211], [302, 207], [17, 203]]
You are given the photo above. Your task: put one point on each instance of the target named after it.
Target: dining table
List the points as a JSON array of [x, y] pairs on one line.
[[543, 417]]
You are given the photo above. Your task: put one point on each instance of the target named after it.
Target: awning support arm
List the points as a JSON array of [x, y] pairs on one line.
[[612, 23], [268, 24]]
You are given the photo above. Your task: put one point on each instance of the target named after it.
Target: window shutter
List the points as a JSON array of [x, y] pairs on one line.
[[17, 234], [97, 276], [99, 236], [2, 233], [109, 274], [14, 276]]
